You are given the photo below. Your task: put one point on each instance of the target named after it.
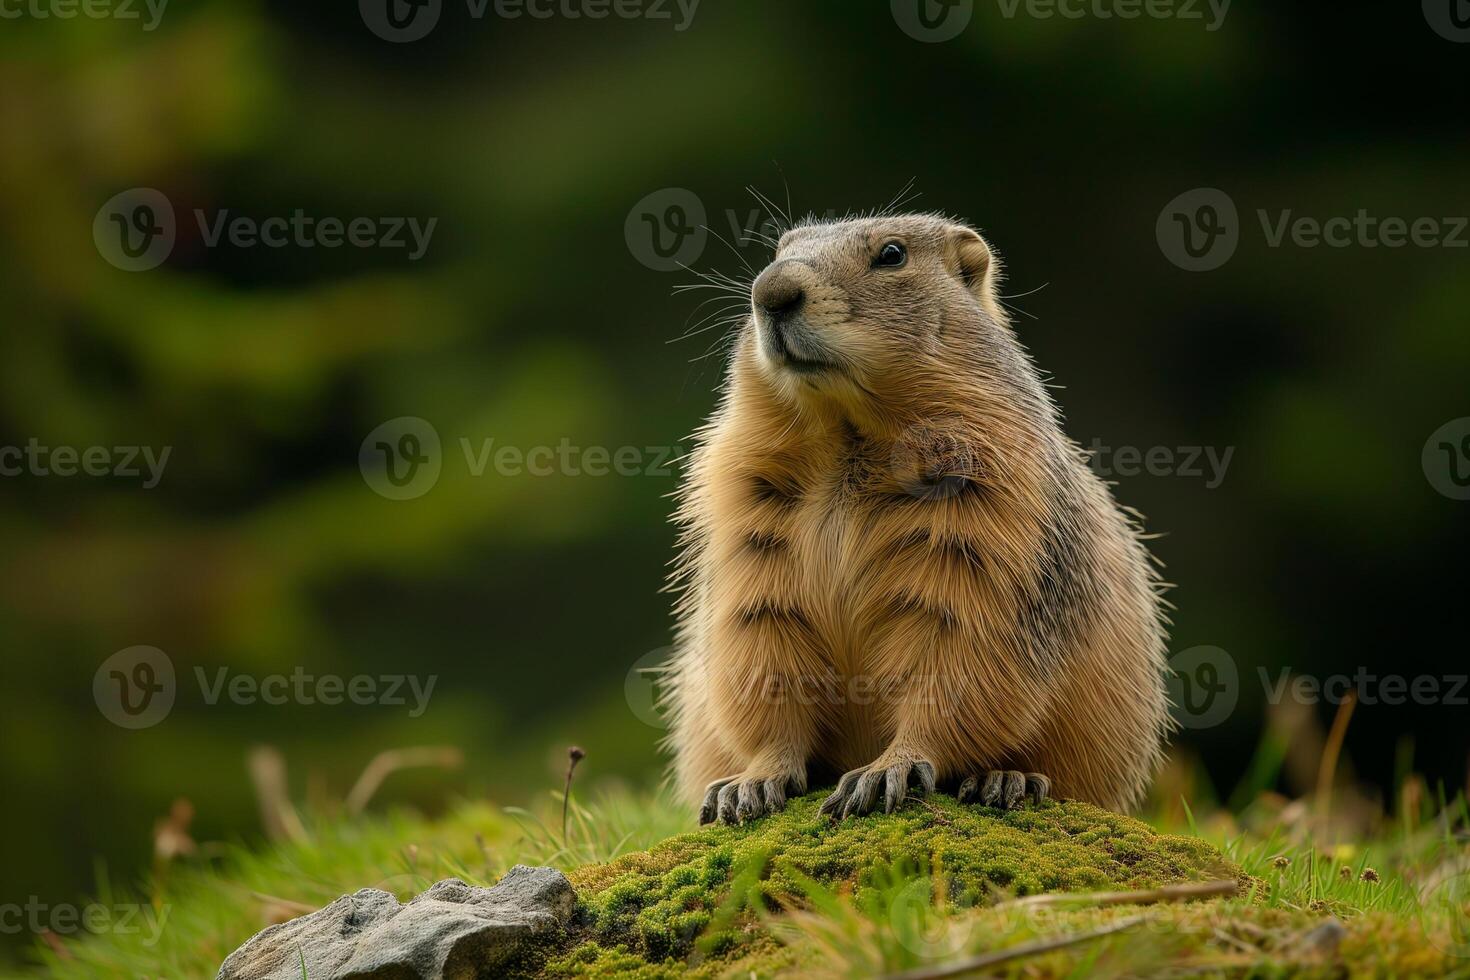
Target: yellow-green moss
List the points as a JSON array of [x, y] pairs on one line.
[[593, 960], [760, 957], [646, 911]]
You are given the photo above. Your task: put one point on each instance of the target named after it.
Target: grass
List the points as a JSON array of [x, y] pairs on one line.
[[209, 906], [932, 884]]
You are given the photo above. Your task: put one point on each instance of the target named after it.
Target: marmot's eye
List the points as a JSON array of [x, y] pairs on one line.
[[890, 256]]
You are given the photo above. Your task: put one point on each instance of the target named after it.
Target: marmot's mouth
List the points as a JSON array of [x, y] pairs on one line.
[[799, 363], [802, 365]]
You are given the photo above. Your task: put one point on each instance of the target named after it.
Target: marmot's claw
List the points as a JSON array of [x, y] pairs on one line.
[[709, 810], [832, 805], [775, 792], [1004, 788], [925, 771], [859, 791], [729, 794], [738, 799]]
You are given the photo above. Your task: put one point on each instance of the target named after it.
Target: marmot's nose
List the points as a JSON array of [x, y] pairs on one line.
[[777, 292]]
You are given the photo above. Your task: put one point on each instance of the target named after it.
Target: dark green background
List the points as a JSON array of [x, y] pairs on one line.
[[1325, 549]]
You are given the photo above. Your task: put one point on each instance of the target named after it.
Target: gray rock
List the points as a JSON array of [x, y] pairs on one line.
[[453, 931], [1323, 940]]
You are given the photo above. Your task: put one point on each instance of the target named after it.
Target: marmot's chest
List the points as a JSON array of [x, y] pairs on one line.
[[836, 556]]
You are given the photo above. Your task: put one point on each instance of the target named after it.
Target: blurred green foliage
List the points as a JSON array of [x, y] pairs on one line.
[[531, 321]]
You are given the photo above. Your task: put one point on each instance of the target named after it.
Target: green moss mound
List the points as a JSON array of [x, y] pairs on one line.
[[644, 914]]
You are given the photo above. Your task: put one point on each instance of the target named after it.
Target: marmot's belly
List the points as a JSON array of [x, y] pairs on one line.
[[859, 719]]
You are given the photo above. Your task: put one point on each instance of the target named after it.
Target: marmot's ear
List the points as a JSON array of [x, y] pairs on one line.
[[973, 261]]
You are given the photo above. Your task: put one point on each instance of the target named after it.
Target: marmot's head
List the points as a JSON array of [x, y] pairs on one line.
[[876, 314]]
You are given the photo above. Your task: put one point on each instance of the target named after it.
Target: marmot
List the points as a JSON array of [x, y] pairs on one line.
[[893, 563]]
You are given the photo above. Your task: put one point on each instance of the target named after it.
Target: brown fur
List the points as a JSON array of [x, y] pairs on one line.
[[903, 559]]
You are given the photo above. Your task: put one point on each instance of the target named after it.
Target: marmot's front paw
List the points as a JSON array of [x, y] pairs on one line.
[[747, 797], [857, 792], [1004, 788]]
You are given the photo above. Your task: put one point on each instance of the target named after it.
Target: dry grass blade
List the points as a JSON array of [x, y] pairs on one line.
[[1328, 768], [385, 764], [985, 960], [299, 908], [1150, 896], [277, 814]]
